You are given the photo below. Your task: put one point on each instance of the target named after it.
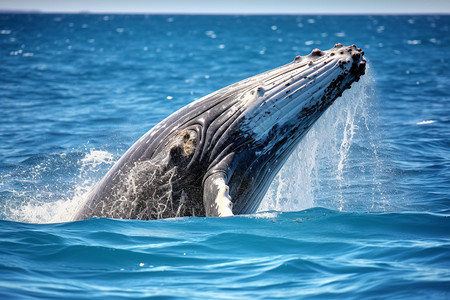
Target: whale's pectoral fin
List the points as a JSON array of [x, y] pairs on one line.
[[216, 197]]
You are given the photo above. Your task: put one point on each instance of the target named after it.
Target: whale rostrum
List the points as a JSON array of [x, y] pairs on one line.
[[218, 155]]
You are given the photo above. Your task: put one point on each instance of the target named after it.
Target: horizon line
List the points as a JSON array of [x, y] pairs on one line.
[[37, 11]]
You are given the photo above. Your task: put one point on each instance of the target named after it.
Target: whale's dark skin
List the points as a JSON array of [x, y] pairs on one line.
[[218, 155]]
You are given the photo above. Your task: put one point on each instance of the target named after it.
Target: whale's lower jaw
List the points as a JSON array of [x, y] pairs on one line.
[[218, 155]]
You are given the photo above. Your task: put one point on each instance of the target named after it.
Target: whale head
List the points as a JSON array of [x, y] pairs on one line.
[[280, 107]]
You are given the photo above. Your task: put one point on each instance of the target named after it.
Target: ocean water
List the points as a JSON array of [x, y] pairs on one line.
[[359, 211]]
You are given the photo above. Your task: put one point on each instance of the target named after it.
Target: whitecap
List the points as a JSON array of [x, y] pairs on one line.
[[426, 122], [414, 42], [264, 215]]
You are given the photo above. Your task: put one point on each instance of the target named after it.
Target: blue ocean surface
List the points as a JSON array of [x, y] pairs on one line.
[[359, 211]]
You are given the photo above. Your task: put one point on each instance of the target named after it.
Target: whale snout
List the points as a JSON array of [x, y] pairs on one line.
[[359, 62], [350, 58], [354, 55]]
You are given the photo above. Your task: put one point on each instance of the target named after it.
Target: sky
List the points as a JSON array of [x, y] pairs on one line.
[[232, 6]]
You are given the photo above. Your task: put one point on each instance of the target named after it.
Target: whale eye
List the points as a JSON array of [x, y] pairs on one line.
[[186, 136], [183, 145], [189, 141]]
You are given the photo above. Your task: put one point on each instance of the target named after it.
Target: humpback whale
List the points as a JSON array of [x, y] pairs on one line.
[[218, 155]]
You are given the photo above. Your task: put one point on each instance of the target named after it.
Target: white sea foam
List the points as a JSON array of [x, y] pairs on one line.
[[265, 215], [425, 122]]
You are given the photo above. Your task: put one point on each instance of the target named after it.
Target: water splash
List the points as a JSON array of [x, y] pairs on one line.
[[336, 165], [38, 202]]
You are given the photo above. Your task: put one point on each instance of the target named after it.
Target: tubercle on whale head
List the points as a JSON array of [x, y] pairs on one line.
[[338, 49]]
